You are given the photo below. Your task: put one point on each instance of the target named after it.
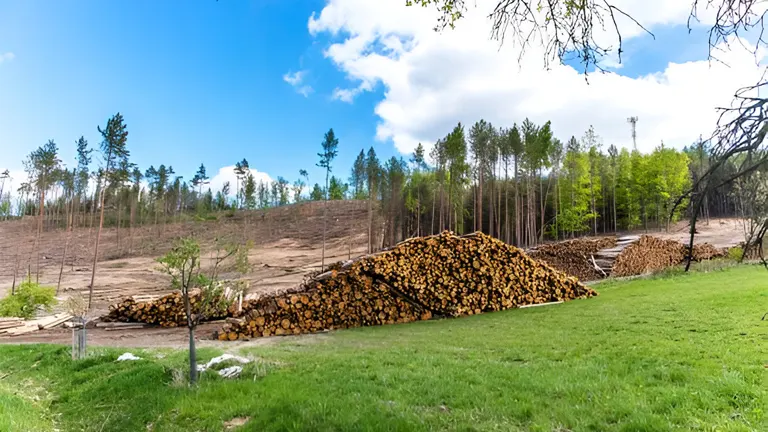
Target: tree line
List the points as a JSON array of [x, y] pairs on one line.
[[519, 183]]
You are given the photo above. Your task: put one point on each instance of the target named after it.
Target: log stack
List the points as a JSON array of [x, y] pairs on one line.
[[443, 275], [574, 257], [648, 254], [166, 311], [707, 251]]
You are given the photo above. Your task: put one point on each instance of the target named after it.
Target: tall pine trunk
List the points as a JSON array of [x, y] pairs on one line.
[[517, 207], [98, 233], [480, 180], [70, 216], [39, 227], [507, 235], [325, 221]]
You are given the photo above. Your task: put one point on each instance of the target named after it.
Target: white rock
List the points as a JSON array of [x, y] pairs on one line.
[[128, 356], [220, 359], [231, 372]]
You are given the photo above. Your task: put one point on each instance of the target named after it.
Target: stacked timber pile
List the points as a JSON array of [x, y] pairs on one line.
[[166, 311], [18, 326], [574, 257], [443, 275], [648, 254], [706, 251]]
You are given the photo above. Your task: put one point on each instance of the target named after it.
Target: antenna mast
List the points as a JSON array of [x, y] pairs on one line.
[[633, 122]]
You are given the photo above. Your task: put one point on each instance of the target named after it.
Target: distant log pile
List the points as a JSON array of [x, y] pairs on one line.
[[706, 251], [442, 275], [574, 257], [648, 254], [166, 311]]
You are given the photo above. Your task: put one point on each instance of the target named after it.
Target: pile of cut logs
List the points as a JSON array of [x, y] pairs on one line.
[[648, 254], [443, 275], [18, 326], [166, 311], [706, 251], [574, 257]]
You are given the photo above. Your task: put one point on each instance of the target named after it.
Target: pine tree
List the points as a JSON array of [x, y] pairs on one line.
[[249, 191], [81, 182], [42, 166], [113, 147], [329, 145], [372, 174], [200, 179], [357, 177], [241, 169]]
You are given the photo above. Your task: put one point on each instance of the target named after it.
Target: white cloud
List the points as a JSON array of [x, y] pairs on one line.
[[345, 95], [227, 174], [434, 80], [7, 56], [296, 80]]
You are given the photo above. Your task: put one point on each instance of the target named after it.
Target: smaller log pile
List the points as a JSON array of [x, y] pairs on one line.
[[648, 254], [706, 251], [573, 257], [165, 311], [443, 275]]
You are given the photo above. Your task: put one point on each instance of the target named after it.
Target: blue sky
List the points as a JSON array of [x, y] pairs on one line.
[[203, 81], [196, 82]]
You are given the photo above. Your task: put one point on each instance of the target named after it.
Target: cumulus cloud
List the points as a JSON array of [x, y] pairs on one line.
[[433, 80], [227, 174], [296, 80], [4, 57]]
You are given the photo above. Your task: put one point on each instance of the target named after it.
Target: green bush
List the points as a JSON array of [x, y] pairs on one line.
[[735, 253], [29, 297]]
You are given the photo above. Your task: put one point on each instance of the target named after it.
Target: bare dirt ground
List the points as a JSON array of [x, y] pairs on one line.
[[725, 232], [287, 244], [155, 337]]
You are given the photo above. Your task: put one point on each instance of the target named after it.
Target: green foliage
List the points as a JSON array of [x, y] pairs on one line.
[[249, 191], [317, 193], [337, 189], [28, 299], [735, 253], [675, 353], [182, 264]]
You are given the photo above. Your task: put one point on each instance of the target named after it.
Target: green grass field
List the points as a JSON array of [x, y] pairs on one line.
[[687, 352]]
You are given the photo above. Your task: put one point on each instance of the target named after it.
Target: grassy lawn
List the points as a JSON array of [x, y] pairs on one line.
[[686, 352]]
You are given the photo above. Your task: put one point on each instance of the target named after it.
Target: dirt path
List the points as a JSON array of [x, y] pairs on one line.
[[154, 337], [718, 232]]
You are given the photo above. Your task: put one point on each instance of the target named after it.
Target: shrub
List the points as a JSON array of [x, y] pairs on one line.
[[735, 253], [28, 299]]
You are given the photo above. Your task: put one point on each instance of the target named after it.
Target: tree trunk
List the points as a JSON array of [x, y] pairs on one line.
[[70, 217], [131, 224], [370, 216], [434, 201], [507, 235], [558, 206], [517, 207], [325, 222], [442, 200], [615, 217], [192, 350], [119, 219], [39, 229], [98, 233], [498, 202]]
